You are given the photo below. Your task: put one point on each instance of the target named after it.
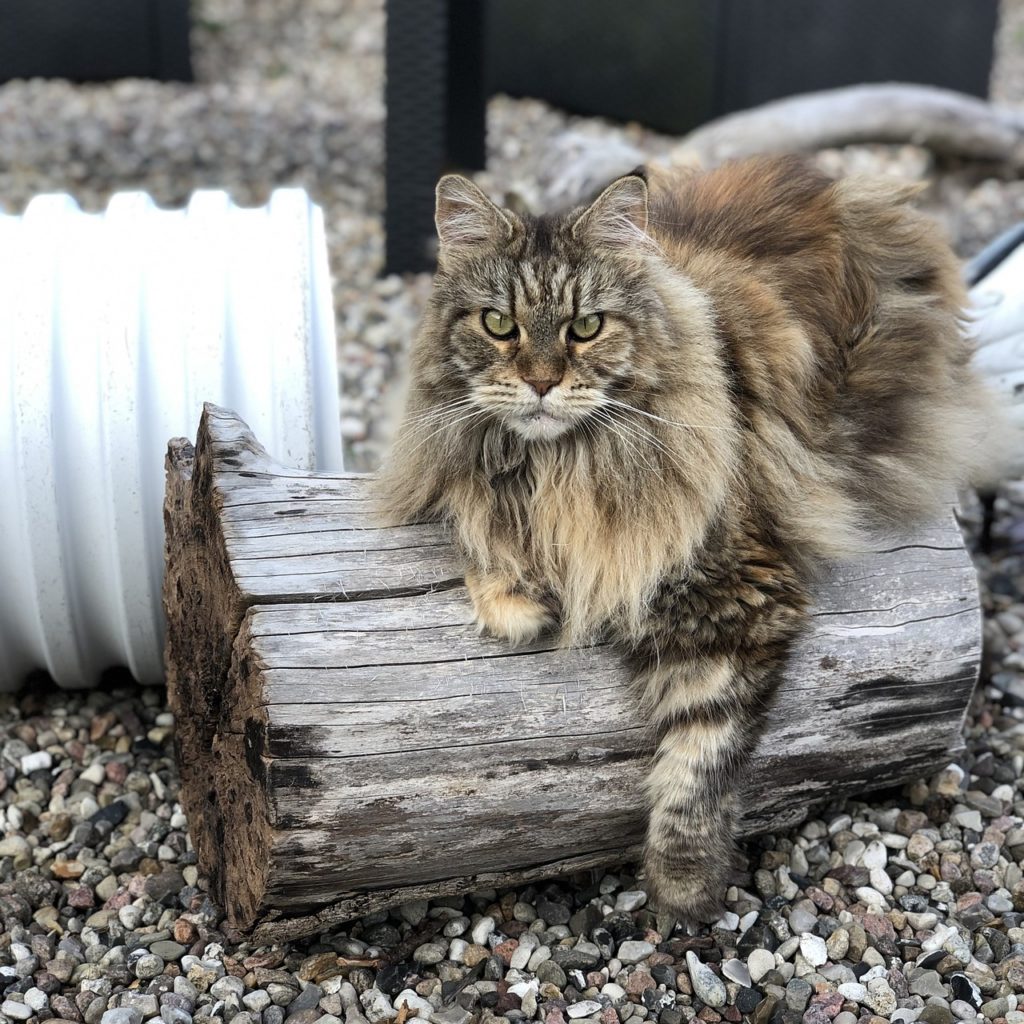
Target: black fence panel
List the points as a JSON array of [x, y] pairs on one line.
[[95, 40]]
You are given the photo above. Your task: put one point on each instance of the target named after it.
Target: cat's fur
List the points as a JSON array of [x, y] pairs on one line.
[[782, 369]]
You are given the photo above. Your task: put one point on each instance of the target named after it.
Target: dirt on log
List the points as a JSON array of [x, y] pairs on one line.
[[347, 741]]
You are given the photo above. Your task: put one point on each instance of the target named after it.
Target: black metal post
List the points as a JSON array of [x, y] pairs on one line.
[[416, 95]]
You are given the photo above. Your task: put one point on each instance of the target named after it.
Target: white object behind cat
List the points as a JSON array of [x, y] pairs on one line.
[[115, 328], [997, 308]]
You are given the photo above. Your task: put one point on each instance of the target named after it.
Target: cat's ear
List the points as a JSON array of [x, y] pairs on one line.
[[466, 217], [618, 216]]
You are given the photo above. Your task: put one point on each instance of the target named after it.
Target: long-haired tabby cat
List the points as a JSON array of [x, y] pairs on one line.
[[651, 417]]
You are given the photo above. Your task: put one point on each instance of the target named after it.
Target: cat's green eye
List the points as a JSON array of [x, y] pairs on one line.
[[584, 328], [498, 325]]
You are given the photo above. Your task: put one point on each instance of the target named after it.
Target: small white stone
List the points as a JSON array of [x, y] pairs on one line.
[[377, 1006], [632, 899], [798, 861], [875, 855], [966, 818], [905, 1016], [872, 897], [15, 1010], [728, 921], [853, 852], [37, 999], [853, 990], [95, 774], [788, 889], [748, 920], [34, 762], [812, 947], [736, 970], [632, 951], [538, 956], [880, 881], [616, 993], [759, 963], [457, 950], [706, 984], [520, 957], [520, 988], [417, 1004], [257, 1001], [584, 1008], [528, 1005], [482, 930]]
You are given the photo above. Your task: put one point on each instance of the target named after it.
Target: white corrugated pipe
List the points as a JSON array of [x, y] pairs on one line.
[[114, 329]]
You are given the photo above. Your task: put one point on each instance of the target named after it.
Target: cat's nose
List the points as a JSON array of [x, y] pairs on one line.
[[542, 385]]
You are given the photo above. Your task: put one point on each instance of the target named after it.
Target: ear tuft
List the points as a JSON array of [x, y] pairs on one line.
[[465, 216], [618, 216]]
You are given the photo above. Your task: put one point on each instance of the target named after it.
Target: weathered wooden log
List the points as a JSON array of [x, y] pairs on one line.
[[347, 741]]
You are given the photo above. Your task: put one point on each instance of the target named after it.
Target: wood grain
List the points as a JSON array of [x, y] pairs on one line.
[[343, 728]]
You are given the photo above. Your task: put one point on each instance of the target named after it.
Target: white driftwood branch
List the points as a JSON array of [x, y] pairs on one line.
[[946, 122]]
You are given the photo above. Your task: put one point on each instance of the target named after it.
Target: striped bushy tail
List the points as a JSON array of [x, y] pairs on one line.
[[709, 719]]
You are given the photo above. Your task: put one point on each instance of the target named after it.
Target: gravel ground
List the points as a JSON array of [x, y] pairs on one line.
[[907, 906]]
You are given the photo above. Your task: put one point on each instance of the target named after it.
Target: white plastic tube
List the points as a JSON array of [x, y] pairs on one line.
[[114, 329]]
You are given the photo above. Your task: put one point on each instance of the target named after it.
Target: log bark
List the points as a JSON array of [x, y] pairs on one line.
[[347, 741], [947, 122]]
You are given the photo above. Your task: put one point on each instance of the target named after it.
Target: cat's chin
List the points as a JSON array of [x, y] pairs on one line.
[[539, 426]]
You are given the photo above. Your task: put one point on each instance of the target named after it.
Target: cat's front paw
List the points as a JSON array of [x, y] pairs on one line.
[[503, 612]]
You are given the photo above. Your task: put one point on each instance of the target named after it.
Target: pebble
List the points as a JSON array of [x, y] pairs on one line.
[[813, 950], [798, 994], [228, 987], [148, 966], [706, 984], [482, 930], [967, 819], [40, 760], [417, 1004], [430, 953], [122, 1015], [736, 970], [633, 952], [759, 963], [631, 900], [854, 991], [881, 997], [584, 1008]]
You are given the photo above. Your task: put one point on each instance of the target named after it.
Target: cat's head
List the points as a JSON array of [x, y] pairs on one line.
[[544, 323]]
